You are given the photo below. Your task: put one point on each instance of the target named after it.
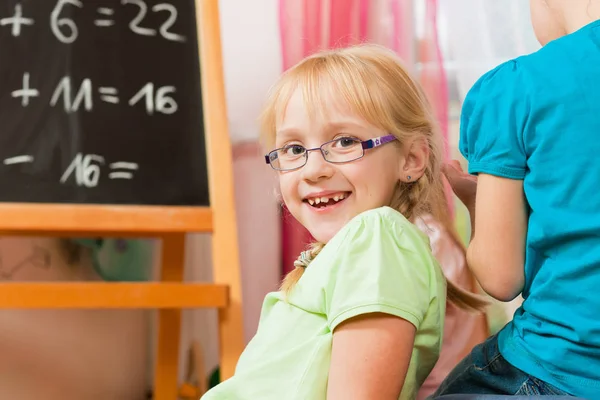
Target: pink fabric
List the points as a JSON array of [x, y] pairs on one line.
[[363, 15], [340, 23], [462, 330], [400, 43], [311, 28], [434, 80]]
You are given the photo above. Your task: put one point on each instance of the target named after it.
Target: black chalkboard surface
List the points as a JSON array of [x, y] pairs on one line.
[[100, 103]]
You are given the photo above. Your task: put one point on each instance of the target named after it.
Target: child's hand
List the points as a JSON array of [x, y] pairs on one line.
[[463, 184]]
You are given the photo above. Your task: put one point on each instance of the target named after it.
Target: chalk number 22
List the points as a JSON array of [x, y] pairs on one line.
[[134, 25]]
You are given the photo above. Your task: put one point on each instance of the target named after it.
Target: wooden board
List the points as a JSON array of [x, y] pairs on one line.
[[87, 295], [81, 220]]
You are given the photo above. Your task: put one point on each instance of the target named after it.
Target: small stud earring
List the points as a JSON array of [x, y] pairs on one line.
[[409, 177]]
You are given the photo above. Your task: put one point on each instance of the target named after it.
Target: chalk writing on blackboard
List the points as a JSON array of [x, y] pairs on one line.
[[101, 103], [159, 100], [65, 29], [18, 160], [86, 170], [16, 21]]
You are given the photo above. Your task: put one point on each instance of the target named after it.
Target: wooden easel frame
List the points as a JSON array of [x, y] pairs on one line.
[[170, 224]]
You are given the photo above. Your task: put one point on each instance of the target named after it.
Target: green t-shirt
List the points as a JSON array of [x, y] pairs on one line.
[[379, 262]]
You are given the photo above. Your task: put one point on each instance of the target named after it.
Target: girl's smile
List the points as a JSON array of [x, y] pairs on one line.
[[326, 200]]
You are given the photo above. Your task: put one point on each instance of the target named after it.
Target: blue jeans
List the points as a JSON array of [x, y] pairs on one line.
[[485, 371]]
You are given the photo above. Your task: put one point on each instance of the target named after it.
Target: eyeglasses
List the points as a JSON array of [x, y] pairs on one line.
[[338, 151]]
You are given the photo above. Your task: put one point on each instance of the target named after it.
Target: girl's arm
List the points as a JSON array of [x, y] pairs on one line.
[[370, 357], [496, 254]]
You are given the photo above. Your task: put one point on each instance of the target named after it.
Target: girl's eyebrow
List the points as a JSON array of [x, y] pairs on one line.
[[341, 124], [287, 133]]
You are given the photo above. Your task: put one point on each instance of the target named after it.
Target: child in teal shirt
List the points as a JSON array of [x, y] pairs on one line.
[[530, 129]]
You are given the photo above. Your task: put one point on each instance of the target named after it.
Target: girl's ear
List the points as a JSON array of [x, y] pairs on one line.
[[415, 160]]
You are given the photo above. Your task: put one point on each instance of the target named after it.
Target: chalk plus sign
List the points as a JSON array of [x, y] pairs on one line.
[[16, 21], [25, 92]]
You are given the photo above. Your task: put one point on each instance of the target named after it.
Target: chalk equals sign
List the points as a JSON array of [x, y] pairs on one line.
[[104, 22], [109, 94], [123, 165], [18, 160]]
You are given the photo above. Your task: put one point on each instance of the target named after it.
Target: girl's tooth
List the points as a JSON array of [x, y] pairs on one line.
[[319, 200]]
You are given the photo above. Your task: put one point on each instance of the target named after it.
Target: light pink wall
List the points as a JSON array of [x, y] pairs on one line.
[[260, 252], [258, 228]]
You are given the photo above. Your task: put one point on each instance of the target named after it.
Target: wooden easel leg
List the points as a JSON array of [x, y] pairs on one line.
[[169, 321], [225, 254]]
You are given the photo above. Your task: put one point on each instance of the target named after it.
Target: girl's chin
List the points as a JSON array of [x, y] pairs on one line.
[[323, 232]]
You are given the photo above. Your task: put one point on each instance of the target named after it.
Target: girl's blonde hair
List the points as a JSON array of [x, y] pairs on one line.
[[373, 82]]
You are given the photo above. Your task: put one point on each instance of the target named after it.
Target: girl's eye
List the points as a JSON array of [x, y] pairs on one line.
[[346, 142], [293, 150]]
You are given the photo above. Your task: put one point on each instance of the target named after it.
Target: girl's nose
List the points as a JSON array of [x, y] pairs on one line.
[[316, 167]]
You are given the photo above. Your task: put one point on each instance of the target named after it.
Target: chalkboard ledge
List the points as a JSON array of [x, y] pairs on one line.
[[102, 220]]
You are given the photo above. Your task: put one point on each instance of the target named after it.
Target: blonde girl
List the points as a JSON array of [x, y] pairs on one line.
[[357, 153]]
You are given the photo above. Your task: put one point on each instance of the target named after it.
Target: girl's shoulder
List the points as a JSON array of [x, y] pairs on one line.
[[372, 229], [380, 235]]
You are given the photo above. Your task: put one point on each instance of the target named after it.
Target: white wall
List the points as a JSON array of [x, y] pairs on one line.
[[251, 58]]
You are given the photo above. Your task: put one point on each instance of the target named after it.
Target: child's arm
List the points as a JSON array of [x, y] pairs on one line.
[[370, 357], [495, 120], [496, 254]]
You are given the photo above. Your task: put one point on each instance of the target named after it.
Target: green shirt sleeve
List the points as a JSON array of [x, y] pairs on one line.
[[383, 264]]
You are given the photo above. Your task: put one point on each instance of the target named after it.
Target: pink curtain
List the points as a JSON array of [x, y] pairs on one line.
[[308, 26], [433, 74], [434, 80]]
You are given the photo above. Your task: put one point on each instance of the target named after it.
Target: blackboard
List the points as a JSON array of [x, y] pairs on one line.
[[100, 103]]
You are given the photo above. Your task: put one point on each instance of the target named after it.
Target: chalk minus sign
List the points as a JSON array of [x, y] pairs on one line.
[[120, 175], [104, 22], [110, 99], [124, 165], [18, 160], [105, 11]]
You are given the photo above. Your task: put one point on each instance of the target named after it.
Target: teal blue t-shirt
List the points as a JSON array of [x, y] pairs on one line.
[[537, 119]]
